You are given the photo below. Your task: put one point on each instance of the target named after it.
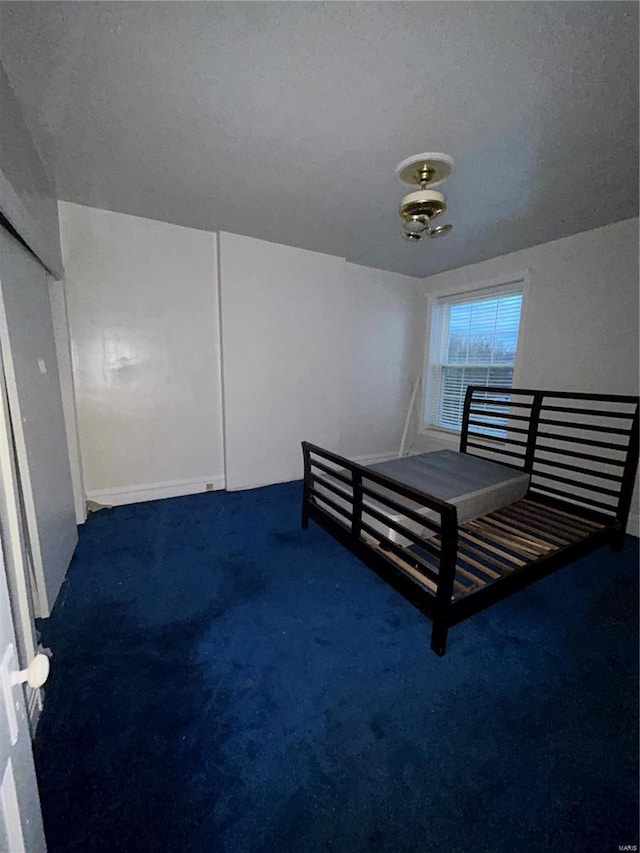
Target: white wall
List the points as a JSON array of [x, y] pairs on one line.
[[314, 348], [580, 331], [143, 315]]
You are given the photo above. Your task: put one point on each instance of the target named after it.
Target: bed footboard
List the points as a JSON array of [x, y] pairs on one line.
[[408, 537]]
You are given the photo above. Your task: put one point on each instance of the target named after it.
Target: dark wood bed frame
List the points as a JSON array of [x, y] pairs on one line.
[[581, 452]]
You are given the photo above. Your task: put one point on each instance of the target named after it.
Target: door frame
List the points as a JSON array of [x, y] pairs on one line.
[[20, 811], [16, 479], [15, 548]]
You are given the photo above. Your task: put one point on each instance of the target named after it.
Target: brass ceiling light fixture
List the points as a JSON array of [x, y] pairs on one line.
[[419, 207]]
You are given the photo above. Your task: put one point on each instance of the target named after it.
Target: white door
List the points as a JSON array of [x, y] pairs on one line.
[[20, 817]]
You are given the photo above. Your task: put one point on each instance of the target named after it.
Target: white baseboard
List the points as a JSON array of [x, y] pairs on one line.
[[155, 491]]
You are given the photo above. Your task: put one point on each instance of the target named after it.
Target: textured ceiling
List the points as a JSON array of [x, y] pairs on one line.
[[285, 121]]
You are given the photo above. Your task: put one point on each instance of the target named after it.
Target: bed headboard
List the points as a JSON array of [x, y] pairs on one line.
[[581, 448]]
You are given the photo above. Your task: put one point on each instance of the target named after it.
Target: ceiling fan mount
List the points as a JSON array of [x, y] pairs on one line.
[[427, 168]]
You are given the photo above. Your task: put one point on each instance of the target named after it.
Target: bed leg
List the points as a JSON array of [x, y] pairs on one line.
[[305, 518], [439, 638]]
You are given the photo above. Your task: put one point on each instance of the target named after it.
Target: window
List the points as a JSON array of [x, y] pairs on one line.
[[473, 342]]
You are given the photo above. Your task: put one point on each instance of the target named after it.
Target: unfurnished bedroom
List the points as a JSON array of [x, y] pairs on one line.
[[319, 426]]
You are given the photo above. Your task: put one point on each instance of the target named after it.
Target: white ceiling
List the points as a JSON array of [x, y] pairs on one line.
[[285, 121]]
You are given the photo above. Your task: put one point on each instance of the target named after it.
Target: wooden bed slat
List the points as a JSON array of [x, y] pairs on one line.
[[522, 528], [562, 528], [404, 565], [464, 549], [527, 539], [526, 523], [501, 539], [429, 570], [486, 570], [464, 534], [480, 527], [470, 576], [411, 535]]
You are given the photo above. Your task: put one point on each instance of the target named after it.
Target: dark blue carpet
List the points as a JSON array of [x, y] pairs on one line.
[[224, 681]]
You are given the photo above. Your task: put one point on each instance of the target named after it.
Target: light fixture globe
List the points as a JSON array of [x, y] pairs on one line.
[[439, 230], [414, 225]]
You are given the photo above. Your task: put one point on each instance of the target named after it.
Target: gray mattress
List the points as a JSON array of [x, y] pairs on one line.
[[475, 486]]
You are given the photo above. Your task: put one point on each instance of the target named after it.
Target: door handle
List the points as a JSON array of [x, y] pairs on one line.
[[35, 674]]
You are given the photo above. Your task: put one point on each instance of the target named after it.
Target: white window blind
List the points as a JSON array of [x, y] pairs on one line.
[[475, 344]]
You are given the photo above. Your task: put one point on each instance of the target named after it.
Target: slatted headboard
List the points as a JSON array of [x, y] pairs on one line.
[[580, 448]]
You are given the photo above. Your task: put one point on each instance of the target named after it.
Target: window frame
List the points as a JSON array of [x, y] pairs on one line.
[[434, 332]]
